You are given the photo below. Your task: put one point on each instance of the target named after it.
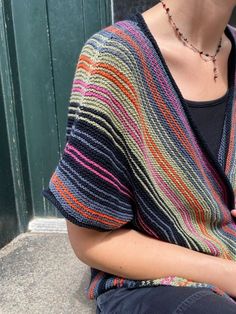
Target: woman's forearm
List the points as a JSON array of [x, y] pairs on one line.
[[131, 254]]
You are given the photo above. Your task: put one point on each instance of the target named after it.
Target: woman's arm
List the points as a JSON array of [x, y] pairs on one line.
[[131, 254]]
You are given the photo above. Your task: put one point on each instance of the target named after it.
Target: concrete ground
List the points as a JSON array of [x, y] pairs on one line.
[[39, 273]]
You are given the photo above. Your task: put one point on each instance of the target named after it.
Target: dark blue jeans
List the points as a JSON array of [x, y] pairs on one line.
[[164, 300]]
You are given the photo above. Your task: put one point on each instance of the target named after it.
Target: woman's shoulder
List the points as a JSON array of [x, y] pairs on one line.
[[117, 39]]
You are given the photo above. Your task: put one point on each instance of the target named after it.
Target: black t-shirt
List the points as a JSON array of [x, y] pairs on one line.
[[209, 115], [209, 118]]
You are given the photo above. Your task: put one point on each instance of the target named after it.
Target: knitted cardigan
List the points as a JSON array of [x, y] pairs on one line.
[[134, 158]]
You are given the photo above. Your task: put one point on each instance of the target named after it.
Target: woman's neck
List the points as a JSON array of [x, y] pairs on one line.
[[201, 21]]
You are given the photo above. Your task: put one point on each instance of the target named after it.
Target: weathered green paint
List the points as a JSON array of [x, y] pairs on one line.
[[69, 26], [70, 23], [37, 94], [8, 217], [40, 44], [27, 208], [13, 206]]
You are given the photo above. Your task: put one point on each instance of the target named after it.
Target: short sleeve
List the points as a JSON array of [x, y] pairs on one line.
[[91, 185]]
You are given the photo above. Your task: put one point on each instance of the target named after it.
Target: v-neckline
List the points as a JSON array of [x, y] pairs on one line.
[[220, 167]]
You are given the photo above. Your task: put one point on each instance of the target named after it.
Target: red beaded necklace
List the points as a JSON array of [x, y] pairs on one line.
[[188, 44]]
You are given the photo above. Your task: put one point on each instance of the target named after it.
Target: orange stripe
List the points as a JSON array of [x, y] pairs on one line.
[[84, 58], [61, 187], [117, 73], [93, 284]]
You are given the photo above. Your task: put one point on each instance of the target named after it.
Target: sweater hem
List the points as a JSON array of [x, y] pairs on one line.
[[96, 290]]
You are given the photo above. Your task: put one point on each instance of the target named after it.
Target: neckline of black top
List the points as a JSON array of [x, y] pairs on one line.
[[207, 103]]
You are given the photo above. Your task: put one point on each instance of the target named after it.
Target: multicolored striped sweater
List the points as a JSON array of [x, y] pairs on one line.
[[134, 158]]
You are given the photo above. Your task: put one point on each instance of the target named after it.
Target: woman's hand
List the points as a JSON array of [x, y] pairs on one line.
[[233, 212]]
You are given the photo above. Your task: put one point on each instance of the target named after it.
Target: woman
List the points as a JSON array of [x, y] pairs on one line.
[[147, 178]]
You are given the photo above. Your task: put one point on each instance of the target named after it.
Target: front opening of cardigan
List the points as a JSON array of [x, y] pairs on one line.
[[225, 139], [134, 159]]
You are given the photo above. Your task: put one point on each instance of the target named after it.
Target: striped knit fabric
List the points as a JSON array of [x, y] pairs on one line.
[[134, 158]]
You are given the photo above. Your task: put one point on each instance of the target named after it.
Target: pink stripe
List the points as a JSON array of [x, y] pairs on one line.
[[110, 100], [144, 226], [94, 171]]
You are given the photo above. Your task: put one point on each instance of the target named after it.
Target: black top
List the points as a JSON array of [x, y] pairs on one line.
[[209, 118]]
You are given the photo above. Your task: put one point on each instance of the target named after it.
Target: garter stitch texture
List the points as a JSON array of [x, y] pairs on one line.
[[134, 159]]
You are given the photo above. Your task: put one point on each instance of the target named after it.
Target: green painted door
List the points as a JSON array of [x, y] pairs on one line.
[[40, 44]]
